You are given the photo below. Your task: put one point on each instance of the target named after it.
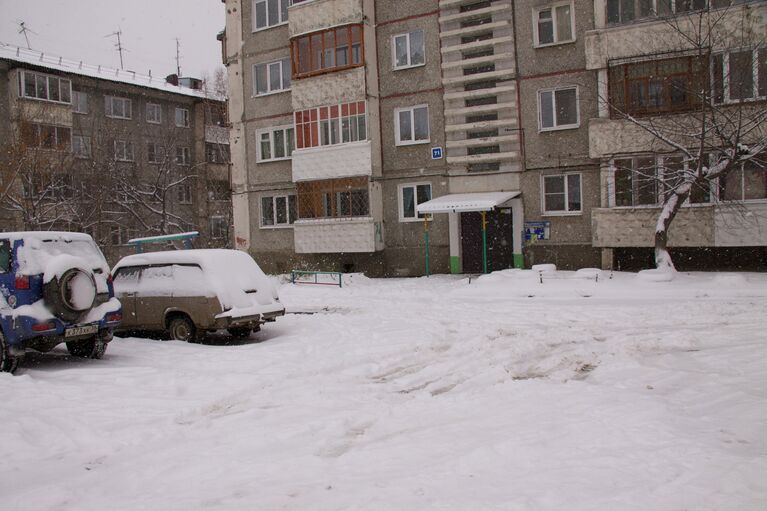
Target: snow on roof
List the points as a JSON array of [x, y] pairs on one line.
[[45, 235], [22, 55], [454, 202]]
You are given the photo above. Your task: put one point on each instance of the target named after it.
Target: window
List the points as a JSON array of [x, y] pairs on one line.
[[328, 50], [45, 87], [81, 146], [748, 182], [411, 125], [739, 75], [216, 153], [626, 11], [117, 108], [408, 50], [219, 227], [153, 113], [79, 102], [554, 24], [410, 196], [658, 86], [278, 210], [268, 13], [330, 125], [636, 181], [155, 153], [182, 117], [275, 143], [558, 109], [183, 156], [562, 193], [271, 77], [333, 198], [184, 193], [5, 256], [123, 150], [46, 136]]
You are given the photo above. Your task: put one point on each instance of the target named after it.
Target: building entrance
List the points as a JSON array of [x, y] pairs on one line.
[[500, 253]]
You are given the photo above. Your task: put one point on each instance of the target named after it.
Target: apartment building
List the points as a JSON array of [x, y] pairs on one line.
[[350, 118], [111, 153], [649, 56], [475, 134]]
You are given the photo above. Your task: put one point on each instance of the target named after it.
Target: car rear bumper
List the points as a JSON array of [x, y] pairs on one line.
[[22, 332]]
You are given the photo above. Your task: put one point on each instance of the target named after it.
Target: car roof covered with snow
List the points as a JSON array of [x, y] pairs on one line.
[[41, 248]]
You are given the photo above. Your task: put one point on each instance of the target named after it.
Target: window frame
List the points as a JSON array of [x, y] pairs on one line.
[[23, 90], [271, 130], [397, 131], [184, 194], [408, 36], [274, 198], [159, 152], [296, 52], [554, 91], [78, 103], [727, 73], [186, 119], [268, 66], [309, 125], [125, 145], [401, 201], [109, 110], [566, 211], [158, 111], [86, 143], [183, 156], [553, 8], [282, 11], [224, 232]]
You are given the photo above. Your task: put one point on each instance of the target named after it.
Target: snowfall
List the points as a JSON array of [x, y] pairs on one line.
[[587, 391]]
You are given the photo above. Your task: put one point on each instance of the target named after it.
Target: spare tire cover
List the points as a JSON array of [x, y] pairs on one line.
[[69, 287]]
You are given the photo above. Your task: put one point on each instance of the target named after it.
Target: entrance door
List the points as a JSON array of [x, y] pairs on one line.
[[500, 253]]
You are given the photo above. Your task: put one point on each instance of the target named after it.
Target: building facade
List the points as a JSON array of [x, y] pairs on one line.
[[110, 153], [368, 134]]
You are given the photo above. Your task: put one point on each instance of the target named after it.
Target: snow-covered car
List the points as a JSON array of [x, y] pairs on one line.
[[188, 292], [54, 287]]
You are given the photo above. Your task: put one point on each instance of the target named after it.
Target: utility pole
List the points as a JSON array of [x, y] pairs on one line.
[[178, 58], [118, 45], [23, 29]]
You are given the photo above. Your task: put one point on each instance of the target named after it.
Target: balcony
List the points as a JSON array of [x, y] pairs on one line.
[[310, 16], [335, 235], [343, 160]]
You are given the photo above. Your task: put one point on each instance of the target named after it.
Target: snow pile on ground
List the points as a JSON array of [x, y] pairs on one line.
[[586, 391]]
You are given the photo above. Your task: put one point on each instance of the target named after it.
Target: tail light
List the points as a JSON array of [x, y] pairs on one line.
[[43, 327], [114, 317], [22, 282], [109, 279]]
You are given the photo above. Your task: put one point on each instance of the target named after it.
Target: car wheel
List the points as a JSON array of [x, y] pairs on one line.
[[88, 348], [8, 362], [239, 332], [181, 328]]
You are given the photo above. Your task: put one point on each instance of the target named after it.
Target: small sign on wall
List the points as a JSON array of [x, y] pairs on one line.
[[539, 230], [436, 153]]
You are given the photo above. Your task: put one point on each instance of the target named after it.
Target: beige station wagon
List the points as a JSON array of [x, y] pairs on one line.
[[189, 292]]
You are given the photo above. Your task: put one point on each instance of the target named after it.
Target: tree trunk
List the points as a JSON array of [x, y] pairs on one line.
[[671, 207]]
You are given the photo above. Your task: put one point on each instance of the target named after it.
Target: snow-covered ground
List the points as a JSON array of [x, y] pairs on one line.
[[416, 394]]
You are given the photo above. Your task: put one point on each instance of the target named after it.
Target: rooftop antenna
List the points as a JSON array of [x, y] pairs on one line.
[[23, 29], [178, 58], [118, 44]]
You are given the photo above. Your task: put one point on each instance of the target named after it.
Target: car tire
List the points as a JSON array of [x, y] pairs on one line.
[[58, 292], [239, 332], [88, 348], [8, 362], [181, 328]]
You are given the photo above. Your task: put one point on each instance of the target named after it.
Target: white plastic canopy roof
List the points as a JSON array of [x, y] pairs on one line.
[[464, 202]]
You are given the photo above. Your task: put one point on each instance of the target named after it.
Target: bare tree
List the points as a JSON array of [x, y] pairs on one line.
[[710, 128]]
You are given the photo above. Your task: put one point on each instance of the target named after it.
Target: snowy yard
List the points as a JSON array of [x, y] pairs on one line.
[[418, 394]]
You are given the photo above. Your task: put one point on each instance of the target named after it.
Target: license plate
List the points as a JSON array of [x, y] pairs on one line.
[[79, 331]]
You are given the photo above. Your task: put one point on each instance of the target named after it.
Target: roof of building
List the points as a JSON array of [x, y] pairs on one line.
[[20, 55]]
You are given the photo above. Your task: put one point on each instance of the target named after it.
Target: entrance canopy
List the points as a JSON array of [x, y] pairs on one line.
[[465, 202]]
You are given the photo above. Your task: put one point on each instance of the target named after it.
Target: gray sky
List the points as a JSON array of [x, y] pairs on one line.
[[76, 29]]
